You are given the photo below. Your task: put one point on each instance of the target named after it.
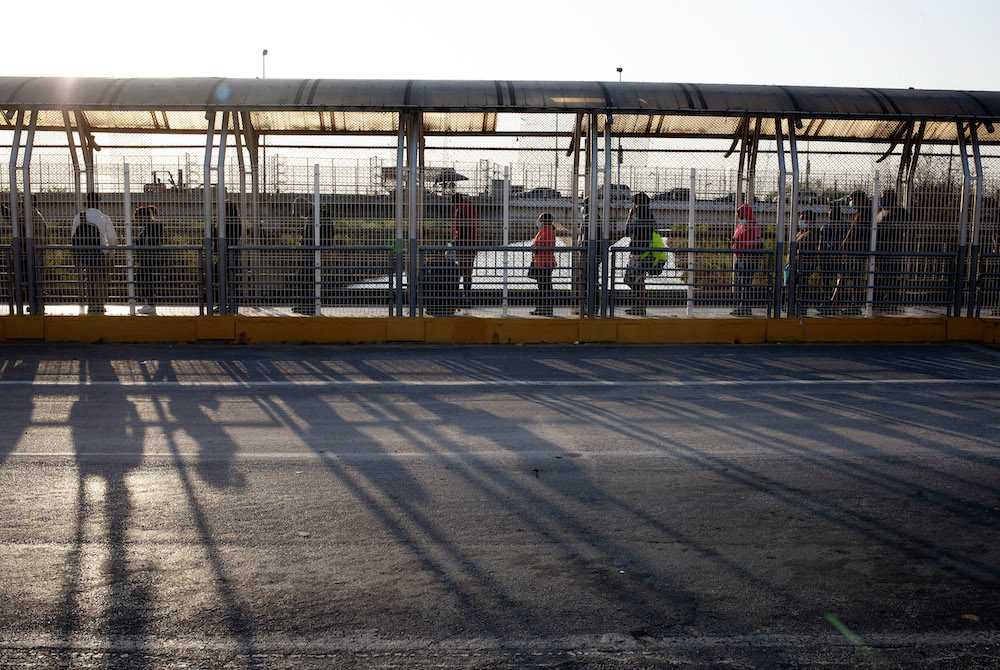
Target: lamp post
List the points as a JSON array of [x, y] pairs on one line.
[[263, 64]]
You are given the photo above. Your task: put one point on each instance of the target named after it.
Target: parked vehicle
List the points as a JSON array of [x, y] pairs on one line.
[[541, 193], [618, 192], [674, 194]]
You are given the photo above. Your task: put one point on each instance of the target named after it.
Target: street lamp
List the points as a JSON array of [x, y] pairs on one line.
[[263, 64], [619, 74]]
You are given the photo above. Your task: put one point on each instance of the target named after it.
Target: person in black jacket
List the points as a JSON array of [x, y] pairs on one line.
[[853, 279], [149, 262], [893, 232], [639, 227]]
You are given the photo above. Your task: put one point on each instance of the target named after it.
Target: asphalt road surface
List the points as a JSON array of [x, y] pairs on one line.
[[499, 507]]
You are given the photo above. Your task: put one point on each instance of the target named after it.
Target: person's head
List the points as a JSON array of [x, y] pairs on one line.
[[888, 199], [860, 199], [744, 213], [93, 200], [457, 198], [640, 199], [232, 211], [544, 219], [806, 218], [147, 213]]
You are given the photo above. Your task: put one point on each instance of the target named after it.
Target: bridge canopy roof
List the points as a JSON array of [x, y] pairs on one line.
[[334, 106]]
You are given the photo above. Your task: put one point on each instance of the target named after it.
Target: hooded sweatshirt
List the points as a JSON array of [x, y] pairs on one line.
[[747, 234]]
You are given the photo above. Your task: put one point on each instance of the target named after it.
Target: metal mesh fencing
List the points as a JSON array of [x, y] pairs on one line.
[[313, 224]]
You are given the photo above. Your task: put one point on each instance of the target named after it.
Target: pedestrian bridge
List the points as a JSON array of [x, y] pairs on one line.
[[877, 210]]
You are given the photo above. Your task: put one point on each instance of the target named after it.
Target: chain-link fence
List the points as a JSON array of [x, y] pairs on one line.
[[399, 222]]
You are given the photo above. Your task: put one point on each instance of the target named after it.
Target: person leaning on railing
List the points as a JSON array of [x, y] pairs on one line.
[[95, 258], [746, 245]]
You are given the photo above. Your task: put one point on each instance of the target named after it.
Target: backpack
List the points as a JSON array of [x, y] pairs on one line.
[[659, 255], [87, 234]]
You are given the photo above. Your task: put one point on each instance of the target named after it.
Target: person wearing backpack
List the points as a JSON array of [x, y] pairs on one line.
[[93, 239], [640, 228]]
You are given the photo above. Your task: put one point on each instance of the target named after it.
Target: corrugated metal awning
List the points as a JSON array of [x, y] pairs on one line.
[[372, 106]]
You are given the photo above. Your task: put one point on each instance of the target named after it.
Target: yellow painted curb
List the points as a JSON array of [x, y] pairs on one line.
[[463, 330], [319, 330]]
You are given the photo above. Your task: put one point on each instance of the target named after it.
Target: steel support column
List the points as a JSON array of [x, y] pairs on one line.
[[15, 257], [29, 211], [207, 203], [779, 229], [400, 244], [963, 221], [220, 197], [413, 160], [793, 223], [977, 222], [606, 210]]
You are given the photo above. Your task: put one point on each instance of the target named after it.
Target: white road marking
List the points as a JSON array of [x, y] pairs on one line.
[[483, 383]]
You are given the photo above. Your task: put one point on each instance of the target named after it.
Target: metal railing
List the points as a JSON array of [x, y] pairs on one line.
[[367, 280]]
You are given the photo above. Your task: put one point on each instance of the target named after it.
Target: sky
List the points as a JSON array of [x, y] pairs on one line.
[[879, 43]]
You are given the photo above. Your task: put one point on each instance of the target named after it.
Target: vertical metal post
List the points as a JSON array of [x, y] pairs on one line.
[[253, 152], [793, 216], [506, 236], [28, 241], [963, 228], [779, 230], [220, 197], [207, 202], [15, 251], [87, 148], [76, 161], [606, 208], [15, 149], [317, 254], [412, 160], [692, 200], [130, 253], [870, 297], [977, 220], [592, 228], [400, 243], [740, 197]]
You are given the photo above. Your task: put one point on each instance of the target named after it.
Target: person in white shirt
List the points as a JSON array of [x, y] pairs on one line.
[[94, 263]]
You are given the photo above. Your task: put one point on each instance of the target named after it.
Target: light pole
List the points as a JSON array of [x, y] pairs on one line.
[[263, 64]]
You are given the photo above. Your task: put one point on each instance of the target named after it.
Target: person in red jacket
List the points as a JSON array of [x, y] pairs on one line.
[[543, 261], [465, 234], [746, 258]]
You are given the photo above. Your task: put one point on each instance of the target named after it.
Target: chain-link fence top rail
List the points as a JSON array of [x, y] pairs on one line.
[[513, 167]]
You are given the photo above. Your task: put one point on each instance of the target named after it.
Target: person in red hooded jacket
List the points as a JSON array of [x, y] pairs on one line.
[[746, 258], [465, 234]]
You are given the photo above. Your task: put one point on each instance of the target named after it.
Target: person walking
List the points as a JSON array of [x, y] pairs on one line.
[[543, 261], [465, 234], [94, 240], [746, 246]]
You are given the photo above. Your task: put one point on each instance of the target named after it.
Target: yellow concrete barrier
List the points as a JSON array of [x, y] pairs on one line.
[[461, 330]]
